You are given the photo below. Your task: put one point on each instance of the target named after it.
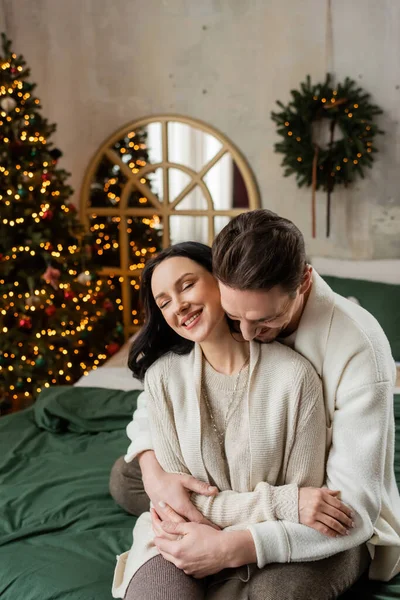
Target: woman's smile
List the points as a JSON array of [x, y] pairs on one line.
[[192, 319]]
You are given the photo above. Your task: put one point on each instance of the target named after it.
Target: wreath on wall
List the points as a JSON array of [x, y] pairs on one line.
[[346, 112]]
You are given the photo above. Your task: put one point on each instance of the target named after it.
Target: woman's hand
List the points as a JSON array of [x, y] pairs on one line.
[[158, 529], [200, 550], [172, 490], [321, 509]]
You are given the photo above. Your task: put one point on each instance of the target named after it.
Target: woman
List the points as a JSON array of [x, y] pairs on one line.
[[244, 417]]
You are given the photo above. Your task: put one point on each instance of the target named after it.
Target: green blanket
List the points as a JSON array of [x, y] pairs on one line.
[[59, 528]]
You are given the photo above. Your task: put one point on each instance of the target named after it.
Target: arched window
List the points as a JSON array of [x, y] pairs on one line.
[[155, 182]]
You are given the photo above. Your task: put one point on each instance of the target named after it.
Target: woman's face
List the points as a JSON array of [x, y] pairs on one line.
[[188, 297]]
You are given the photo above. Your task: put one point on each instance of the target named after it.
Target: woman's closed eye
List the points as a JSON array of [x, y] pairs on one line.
[[185, 286]]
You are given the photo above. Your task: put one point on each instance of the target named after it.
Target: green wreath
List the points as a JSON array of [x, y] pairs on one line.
[[348, 109]]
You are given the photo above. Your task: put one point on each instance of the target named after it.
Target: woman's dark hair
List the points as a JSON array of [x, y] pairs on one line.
[[156, 337], [258, 250]]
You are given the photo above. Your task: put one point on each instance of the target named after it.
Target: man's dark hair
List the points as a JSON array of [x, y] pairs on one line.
[[259, 250]]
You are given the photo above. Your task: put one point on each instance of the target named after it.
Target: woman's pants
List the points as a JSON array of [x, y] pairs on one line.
[[159, 579]]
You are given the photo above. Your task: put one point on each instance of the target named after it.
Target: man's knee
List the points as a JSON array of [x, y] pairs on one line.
[[126, 487]]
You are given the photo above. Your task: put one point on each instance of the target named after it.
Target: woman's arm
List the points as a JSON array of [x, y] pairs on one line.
[[306, 463], [306, 467]]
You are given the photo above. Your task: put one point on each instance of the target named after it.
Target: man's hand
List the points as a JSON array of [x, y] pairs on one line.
[[170, 491], [321, 509], [200, 550]]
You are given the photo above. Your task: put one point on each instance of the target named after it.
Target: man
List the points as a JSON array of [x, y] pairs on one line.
[[267, 286]]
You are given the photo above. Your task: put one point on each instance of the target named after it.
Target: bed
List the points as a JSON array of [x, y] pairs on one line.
[[59, 528]]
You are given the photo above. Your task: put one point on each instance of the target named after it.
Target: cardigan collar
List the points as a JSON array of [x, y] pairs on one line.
[[315, 323]]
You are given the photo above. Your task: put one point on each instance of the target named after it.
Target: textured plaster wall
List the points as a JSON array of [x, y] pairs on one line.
[[101, 63]]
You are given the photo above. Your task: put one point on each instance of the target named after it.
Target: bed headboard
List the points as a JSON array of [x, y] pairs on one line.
[[383, 271]]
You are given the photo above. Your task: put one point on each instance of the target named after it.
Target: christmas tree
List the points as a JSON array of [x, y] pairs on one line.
[[58, 318]]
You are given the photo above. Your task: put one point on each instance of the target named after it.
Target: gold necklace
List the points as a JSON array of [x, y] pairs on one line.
[[221, 436]]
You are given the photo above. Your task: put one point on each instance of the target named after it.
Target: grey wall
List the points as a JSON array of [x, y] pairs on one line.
[[101, 63]]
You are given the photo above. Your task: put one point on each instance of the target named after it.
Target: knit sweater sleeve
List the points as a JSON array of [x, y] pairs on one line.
[[355, 466], [305, 466], [138, 430], [161, 421]]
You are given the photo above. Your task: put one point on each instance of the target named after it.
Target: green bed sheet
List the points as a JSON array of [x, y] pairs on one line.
[[59, 528]]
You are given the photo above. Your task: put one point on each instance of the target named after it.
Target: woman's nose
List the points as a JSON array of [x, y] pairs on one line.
[[181, 307]]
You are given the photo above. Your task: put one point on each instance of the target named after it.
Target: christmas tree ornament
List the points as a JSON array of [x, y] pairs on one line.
[[40, 361], [108, 305], [20, 384], [84, 278], [48, 215], [50, 310], [25, 322], [112, 348], [8, 104], [51, 276], [69, 294]]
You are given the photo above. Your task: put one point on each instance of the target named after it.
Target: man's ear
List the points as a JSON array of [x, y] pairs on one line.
[[307, 278]]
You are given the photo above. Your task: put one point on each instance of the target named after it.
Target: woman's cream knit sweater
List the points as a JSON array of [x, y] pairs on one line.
[[284, 431]]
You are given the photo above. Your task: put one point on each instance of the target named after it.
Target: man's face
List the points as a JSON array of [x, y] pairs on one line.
[[262, 315]]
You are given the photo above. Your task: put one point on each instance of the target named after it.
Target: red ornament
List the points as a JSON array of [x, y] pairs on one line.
[[72, 208], [25, 323], [108, 305], [13, 70], [45, 177], [112, 348], [69, 294], [50, 310], [48, 215]]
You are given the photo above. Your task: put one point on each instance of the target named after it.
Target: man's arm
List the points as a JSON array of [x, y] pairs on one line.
[[355, 465], [138, 430]]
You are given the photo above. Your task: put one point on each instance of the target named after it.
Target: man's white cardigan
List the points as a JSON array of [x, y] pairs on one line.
[[351, 354]]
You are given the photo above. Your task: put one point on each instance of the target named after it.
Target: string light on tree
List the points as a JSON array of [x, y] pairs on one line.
[[46, 270]]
